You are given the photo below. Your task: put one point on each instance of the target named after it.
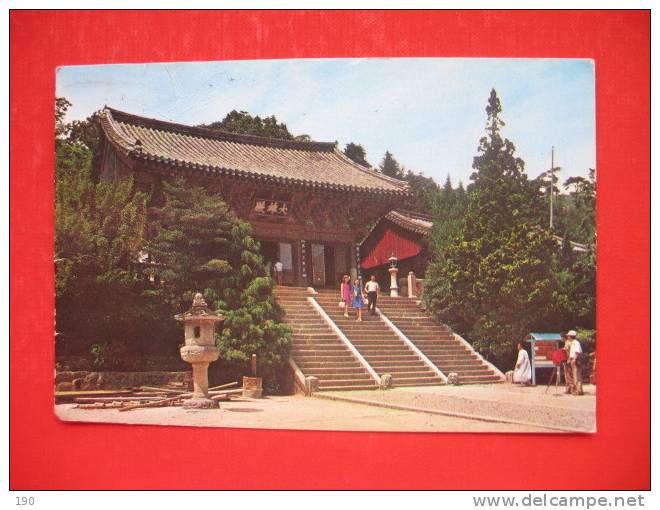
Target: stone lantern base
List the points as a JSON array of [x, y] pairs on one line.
[[200, 403]]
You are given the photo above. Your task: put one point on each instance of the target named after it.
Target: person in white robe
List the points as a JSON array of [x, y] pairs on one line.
[[522, 374]]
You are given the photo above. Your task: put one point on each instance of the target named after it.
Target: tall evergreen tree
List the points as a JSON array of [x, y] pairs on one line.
[[391, 167], [494, 282]]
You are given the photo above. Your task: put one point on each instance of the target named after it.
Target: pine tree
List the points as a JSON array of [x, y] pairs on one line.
[[390, 166], [494, 282], [201, 246]]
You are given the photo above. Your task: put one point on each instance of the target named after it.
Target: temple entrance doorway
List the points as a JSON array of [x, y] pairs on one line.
[[318, 265], [329, 256], [272, 251]]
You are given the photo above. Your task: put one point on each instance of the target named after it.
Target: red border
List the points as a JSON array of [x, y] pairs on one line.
[[46, 453]]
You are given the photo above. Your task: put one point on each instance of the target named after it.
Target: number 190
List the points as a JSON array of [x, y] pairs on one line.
[[23, 500]]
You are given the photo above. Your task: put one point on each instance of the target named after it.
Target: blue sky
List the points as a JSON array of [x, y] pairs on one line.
[[430, 113]]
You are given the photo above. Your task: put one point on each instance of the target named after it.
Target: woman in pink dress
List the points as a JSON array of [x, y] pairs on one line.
[[345, 292]]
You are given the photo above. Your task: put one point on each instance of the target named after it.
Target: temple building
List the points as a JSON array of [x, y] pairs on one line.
[[309, 205], [401, 233]]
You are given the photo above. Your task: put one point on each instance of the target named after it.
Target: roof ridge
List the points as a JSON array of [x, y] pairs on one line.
[[374, 173], [413, 214], [201, 132]]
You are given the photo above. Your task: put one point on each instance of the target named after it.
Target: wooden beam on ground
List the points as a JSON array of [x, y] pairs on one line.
[[156, 403], [228, 385], [164, 390], [86, 400], [221, 394]]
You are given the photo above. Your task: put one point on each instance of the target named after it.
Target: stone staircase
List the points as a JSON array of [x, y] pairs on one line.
[[437, 341], [379, 345], [316, 349]]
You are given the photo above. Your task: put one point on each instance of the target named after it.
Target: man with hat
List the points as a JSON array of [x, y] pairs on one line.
[[574, 352], [566, 365]]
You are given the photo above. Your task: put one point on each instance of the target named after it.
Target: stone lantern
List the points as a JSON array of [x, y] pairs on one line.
[[200, 350], [394, 287]]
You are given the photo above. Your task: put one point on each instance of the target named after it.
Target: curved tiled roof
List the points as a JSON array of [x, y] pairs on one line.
[[312, 164], [415, 222]]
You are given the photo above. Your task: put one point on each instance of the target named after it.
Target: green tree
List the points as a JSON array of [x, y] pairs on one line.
[[423, 192], [494, 281], [201, 246], [99, 230], [577, 209], [244, 123], [391, 167], [76, 142], [448, 212], [356, 152]]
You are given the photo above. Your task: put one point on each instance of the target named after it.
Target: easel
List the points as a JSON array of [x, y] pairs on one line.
[[556, 376]]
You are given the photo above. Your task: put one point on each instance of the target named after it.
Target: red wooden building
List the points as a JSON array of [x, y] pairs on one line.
[[308, 203], [401, 233]]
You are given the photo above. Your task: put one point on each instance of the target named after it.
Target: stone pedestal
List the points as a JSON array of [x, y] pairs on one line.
[[412, 285], [199, 356], [394, 287]]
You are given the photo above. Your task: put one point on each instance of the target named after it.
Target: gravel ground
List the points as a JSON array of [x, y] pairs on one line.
[[523, 405], [293, 413]]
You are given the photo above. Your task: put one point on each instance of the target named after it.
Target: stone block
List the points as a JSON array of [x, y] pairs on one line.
[[385, 381], [252, 387], [452, 378], [509, 376], [311, 384]]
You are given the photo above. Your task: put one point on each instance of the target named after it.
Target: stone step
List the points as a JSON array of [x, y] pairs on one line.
[[323, 383], [318, 336], [399, 371], [400, 357], [349, 376], [318, 346], [341, 356], [393, 349], [461, 363], [476, 370], [359, 371], [416, 381], [333, 365], [478, 379], [372, 386], [321, 329], [318, 352], [367, 341], [405, 363]]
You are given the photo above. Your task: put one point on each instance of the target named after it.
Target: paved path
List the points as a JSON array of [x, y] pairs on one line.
[[506, 402], [294, 412]]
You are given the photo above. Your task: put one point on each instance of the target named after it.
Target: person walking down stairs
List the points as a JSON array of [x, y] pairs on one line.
[[372, 289], [345, 293], [358, 299]]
